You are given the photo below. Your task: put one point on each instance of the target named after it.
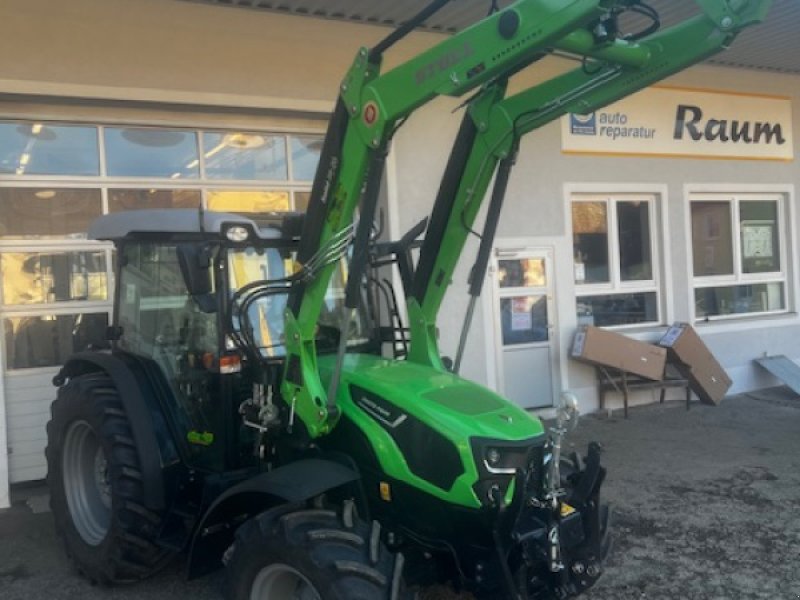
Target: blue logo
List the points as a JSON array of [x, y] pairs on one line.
[[583, 124]]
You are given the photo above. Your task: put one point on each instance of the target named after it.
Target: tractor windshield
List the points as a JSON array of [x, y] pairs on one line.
[[266, 313]]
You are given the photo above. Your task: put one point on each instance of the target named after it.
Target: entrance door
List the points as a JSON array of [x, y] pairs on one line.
[[524, 325]]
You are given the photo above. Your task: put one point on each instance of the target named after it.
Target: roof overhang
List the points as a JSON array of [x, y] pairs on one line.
[[773, 46]]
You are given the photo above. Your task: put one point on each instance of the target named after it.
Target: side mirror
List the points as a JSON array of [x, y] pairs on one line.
[[195, 262]]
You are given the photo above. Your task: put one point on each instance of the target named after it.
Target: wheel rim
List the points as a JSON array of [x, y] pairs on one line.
[[86, 484], [282, 582]]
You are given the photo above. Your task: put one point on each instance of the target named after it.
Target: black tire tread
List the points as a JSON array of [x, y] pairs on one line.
[[129, 553], [336, 558]]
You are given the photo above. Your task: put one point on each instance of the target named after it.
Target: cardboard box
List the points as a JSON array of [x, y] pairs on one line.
[[694, 361], [608, 349]]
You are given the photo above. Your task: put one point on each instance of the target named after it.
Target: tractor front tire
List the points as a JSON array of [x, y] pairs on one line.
[[95, 481], [313, 554]]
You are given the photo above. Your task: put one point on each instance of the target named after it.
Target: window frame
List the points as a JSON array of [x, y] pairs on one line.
[[104, 183], [738, 277], [616, 285]]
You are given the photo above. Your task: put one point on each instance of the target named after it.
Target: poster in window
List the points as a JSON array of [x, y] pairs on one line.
[[757, 239], [521, 317]]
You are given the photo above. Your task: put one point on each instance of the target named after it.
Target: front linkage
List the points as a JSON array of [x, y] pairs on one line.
[[551, 540]]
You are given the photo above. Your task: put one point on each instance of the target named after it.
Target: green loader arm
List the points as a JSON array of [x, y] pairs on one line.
[[368, 111], [492, 129], [371, 106]]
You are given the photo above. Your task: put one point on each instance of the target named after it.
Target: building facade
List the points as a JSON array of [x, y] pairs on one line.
[[109, 105]]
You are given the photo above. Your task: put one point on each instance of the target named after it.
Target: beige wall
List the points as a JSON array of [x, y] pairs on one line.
[[167, 50]]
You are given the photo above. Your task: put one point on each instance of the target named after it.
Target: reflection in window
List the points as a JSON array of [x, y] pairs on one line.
[[590, 242], [47, 149], [39, 277], [248, 202], [119, 200], [524, 272], [615, 260], [712, 241], [155, 310], [305, 157], [48, 340], [266, 314], [633, 230], [618, 309], [244, 156], [47, 213], [739, 299], [144, 152], [524, 319]]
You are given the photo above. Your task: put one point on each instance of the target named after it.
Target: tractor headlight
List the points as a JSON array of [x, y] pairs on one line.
[[495, 463], [237, 233], [498, 462]]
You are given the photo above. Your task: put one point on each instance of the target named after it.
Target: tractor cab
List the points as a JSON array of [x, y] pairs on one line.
[[197, 294]]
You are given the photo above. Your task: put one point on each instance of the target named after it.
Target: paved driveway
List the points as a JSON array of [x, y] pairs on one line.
[[706, 507]]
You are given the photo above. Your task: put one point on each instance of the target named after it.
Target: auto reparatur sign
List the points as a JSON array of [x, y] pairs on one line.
[[677, 122]]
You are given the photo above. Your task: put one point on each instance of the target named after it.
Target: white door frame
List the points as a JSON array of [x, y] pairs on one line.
[[494, 349]]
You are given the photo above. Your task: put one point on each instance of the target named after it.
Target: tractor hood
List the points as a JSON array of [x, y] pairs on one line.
[[455, 405], [424, 424]]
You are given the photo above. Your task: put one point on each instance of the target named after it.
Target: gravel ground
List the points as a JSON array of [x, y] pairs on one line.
[[706, 503], [706, 507]]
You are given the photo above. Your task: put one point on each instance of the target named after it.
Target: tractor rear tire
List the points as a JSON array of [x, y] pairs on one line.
[[312, 554], [95, 481]]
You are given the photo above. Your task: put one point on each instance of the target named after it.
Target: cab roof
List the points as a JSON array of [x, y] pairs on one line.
[[187, 221]]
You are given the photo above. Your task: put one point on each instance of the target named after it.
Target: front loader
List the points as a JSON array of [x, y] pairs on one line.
[[245, 414]]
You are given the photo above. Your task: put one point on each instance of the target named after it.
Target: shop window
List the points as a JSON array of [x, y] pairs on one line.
[[145, 152], [248, 202], [48, 149], [48, 340], [50, 273], [305, 156], [614, 260], [37, 213], [44, 277], [248, 156], [119, 200], [737, 255]]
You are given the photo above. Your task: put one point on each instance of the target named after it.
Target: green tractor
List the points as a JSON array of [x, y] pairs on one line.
[[246, 415]]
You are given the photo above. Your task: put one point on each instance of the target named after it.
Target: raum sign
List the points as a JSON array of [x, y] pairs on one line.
[[677, 122]]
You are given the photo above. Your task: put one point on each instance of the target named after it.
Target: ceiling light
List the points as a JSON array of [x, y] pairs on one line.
[[153, 138], [37, 131], [24, 159], [175, 175], [243, 141], [46, 194]]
